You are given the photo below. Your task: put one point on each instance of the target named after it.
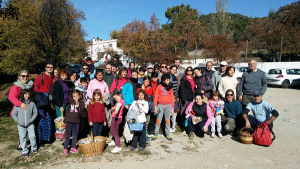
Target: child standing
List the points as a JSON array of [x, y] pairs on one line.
[[142, 106], [25, 120], [216, 118], [141, 75], [173, 118], [97, 113], [116, 116], [163, 105], [72, 120]]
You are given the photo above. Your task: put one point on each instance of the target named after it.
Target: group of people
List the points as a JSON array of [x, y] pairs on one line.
[[198, 101]]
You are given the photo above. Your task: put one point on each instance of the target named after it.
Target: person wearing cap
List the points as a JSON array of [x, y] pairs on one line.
[[216, 77], [149, 72], [252, 80], [208, 70], [262, 111]]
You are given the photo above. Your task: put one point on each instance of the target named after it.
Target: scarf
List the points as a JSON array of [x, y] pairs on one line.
[[133, 80], [27, 101], [139, 76], [81, 87], [21, 85], [168, 87]]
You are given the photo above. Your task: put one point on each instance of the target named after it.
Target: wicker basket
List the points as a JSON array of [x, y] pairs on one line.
[[246, 137], [60, 124], [93, 148]]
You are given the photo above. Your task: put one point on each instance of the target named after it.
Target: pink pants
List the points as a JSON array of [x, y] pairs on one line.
[[114, 129]]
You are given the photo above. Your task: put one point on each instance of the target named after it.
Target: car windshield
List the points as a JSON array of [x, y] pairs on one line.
[[242, 69], [74, 66], [275, 71], [217, 68]]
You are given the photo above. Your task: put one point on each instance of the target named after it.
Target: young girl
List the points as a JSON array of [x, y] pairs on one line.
[[216, 118], [142, 106], [173, 118], [97, 113], [72, 120], [116, 116], [25, 120]]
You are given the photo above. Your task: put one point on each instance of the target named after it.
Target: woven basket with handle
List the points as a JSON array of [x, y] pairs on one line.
[[93, 148], [246, 137], [60, 124]]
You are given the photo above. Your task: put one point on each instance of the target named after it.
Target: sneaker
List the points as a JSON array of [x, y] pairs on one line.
[[171, 130], [141, 148], [25, 155], [74, 150], [116, 150], [112, 143], [132, 148], [19, 148], [150, 135], [154, 137], [169, 137], [212, 135], [65, 152], [35, 151], [192, 135], [220, 135]]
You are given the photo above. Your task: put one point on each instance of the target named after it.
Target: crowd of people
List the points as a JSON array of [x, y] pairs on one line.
[[198, 101]]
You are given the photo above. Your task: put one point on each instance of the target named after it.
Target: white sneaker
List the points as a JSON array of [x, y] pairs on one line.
[[150, 136], [112, 143], [220, 135], [116, 149], [212, 135]]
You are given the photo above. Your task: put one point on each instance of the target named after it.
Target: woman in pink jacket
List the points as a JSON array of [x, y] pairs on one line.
[[97, 83], [22, 83], [198, 116]]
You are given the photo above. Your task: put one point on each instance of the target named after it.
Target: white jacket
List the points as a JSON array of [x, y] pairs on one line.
[[227, 83], [143, 109]]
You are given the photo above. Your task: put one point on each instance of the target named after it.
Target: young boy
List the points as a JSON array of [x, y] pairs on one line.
[[154, 81], [163, 105], [141, 75], [90, 64]]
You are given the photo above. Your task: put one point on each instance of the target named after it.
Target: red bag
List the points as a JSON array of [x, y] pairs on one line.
[[262, 135]]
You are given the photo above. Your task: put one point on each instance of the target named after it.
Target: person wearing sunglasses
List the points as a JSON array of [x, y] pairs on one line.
[[233, 109], [85, 72], [216, 77], [162, 70], [23, 82], [43, 83]]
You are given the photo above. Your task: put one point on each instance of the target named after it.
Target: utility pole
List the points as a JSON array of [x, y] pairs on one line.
[[246, 48], [280, 49], [196, 53]]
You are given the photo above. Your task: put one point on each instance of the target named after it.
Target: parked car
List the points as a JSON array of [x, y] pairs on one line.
[[73, 68], [239, 70], [214, 68], [284, 77]]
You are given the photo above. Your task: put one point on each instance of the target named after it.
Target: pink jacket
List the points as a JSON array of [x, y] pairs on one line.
[[212, 107], [120, 112], [13, 96], [95, 84], [208, 113], [129, 73]]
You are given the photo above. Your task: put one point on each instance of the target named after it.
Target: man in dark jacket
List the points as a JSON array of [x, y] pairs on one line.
[[208, 70], [108, 75]]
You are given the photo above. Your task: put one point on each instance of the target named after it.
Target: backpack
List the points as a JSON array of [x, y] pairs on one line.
[[51, 91], [262, 135]]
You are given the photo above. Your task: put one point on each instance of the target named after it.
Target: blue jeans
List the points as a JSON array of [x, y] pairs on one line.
[[141, 136], [97, 129], [201, 124], [254, 123]]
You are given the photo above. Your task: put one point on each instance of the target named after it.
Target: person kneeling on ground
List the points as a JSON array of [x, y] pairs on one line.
[[198, 115], [261, 110]]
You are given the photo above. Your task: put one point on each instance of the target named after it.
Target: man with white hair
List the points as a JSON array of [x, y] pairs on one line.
[[252, 80], [216, 77]]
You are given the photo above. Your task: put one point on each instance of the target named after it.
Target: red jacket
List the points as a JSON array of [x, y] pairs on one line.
[[154, 85], [47, 83], [162, 96], [96, 113], [148, 90]]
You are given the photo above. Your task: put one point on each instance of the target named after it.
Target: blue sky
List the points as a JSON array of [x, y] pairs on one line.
[[103, 16]]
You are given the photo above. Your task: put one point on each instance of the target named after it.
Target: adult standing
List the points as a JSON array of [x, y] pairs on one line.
[[61, 93], [97, 83], [43, 83], [131, 68], [203, 83], [13, 96], [208, 71], [108, 76], [228, 82], [120, 80], [180, 69], [156, 68], [114, 70], [216, 77], [252, 80], [129, 90], [162, 70], [233, 109], [174, 78]]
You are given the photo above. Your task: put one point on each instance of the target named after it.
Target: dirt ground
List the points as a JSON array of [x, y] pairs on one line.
[[205, 152]]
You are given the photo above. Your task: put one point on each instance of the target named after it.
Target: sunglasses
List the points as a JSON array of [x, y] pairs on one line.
[[50, 67], [229, 94], [24, 76], [163, 67], [85, 68]]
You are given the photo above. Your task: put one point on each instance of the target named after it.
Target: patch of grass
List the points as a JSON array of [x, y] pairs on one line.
[[178, 129], [144, 152], [164, 146], [187, 148], [5, 108]]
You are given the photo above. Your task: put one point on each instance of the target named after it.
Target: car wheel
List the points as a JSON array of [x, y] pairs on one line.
[[285, 84]]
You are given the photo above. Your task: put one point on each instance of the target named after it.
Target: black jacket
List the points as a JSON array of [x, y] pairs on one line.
[[58, 94], [185, 90]]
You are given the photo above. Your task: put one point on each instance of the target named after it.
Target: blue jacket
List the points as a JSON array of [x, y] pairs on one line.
[[44, 126], [127, 92], [91, 67], [233, 109]]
